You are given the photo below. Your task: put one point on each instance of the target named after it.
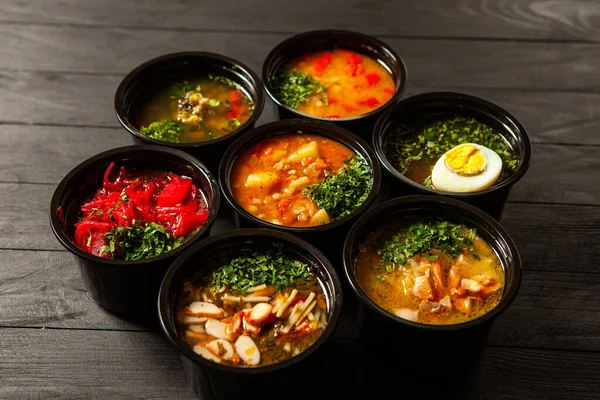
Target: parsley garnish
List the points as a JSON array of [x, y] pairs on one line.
[[421, 237], [179, 90], [138, 242], [438, 137], [344, 192], [225, 81], [294, 88], [270, 267], [166, 130]]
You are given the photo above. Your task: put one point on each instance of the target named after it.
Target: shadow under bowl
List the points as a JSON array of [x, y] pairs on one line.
[[126, 287], [313, 41], [232, 382], [419, 110], [143, 84]]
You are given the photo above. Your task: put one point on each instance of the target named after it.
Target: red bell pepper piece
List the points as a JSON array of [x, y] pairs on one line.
[[353, 59], [371, 102], [357, 69], [332, 116], [349, 108], [389, 91], [321, 63], [235, 111], [235, 97], [175, 192], [189, 223], [372, 78]]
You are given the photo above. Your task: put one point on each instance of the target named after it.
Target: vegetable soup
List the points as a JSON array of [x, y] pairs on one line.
[[139, 215], [415, 149], [300, 180], [430, 271], [195, 111], [335, 84], [255, 309]]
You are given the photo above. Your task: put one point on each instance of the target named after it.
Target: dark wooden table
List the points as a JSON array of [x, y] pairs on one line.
[[61, 61]]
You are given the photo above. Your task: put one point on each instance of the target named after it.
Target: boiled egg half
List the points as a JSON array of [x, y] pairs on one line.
[[467, 167]]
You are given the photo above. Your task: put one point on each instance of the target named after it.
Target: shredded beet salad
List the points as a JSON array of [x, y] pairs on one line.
[[139, 215]]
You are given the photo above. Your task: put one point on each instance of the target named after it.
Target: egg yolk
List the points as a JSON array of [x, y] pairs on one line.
[[466, 159]]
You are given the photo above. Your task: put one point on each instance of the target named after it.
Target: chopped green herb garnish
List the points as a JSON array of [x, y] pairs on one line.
[[166, 130], [437, 138], [179, 90], [271, 267], [421, 237], [381, 278], [138, 242], [213, 102], [345, 191], [294, 88], [225, 81], [231, 124], [475, 256]]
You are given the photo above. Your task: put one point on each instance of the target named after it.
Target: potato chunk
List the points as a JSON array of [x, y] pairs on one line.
[[297, 183], [320, 217], [310, 150], [263, 180]]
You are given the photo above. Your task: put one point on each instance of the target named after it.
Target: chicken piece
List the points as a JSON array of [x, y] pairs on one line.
[[407, 313], [430, 306], [463, 304], [223, 349], [422, 288], [437, 283], [259, 314], [247, 350], [204, 309], [490, 283], [454, 278], [446, 302], [472, 286]]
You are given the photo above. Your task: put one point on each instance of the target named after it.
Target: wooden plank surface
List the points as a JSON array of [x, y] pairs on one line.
[[110, 365], [40, 97], [515, 19], [431, 63], [553, 309]]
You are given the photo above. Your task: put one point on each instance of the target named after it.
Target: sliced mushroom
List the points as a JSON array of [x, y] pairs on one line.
[[204, 309], [259, 314], [247, 350], [216, 329], [197, 328], [204, 352], [222, 348], [191, 320]]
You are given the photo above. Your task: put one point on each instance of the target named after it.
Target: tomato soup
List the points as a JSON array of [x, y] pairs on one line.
[[335, 84], [271, 178]]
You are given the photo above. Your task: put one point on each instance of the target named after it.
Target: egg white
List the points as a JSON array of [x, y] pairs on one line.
[[446, 180]]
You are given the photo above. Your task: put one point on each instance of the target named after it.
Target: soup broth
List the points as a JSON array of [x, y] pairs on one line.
[[335, 84], [195, 111], [237, 315], [139, 214], [414, 149], [431, 272], [300, 180]]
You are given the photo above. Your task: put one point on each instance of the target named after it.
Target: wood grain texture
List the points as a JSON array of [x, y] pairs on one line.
[[515, 19], [40, 97], [115, 365], [431, 63], [553, 309], [89, 364]]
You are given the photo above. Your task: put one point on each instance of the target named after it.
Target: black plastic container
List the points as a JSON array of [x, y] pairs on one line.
[[428, 107], [312, 41], [230, 382], [143, 82], [129, 287], [459, 345], [328, 237]]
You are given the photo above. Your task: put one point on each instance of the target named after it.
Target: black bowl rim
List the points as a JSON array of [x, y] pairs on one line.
[[249, 234], [239, 66], [122, 152], [378, 132], [291, 124], [367, 38], [499, 233]]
